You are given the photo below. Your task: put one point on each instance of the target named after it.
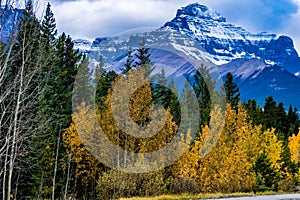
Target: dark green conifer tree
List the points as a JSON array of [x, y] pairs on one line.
[[189, 109], [266, 175], [270, 113], [48, 29], [160, 92], [231, 91], [103, 86], [25, 84], [293, 120], [255, 112], [129, 62], [82, 86], [144, 60], [203, 86]]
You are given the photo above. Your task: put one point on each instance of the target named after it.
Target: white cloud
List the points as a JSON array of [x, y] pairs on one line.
[[98, 18], [101, 18]]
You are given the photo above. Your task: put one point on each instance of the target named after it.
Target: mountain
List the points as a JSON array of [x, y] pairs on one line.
[[258, 80], [263, 64], [82, 44], [226, 42], [9, 20]]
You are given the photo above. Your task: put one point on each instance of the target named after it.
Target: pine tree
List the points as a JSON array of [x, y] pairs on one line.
[[103, 86], [189, 109], [173, 98], [144, 60], [160, 92], [56, 110], [231, 91], [129, 62], [82, 86], [48, 29], [270, 112], [255, 112], [293, 120], [203, 85], [266, 175], [282, 124], [24, 75]]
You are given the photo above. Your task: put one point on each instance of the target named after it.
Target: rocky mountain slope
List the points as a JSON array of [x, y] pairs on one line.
[[263, 64]]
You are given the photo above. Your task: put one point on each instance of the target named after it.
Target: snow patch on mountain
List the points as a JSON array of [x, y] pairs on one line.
[[10, 18], [83, 45]]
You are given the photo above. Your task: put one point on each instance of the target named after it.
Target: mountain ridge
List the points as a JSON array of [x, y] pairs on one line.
[[202, 34], [226, 42]]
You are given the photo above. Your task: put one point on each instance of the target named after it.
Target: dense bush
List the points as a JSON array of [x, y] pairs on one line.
[[115, 184]]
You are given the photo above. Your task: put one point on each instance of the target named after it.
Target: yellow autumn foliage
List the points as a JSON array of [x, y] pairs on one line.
[[294, 146], [228, 166], [87, 166]]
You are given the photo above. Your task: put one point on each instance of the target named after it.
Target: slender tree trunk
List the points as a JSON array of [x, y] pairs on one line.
[[5, 171], [41, 186], [55, 168], [68, 176], [15, 128]]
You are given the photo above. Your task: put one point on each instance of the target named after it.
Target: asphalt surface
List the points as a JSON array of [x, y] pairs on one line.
[[268, 197]]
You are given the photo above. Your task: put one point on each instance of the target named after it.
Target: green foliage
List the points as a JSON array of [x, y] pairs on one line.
[[231, 91], [255, 112], [144, 59], [270, 112], [203, 86], [266, 175], [104, 84], [54, 115], [293, 120], [48, 28], [129, 62], [82, 86]]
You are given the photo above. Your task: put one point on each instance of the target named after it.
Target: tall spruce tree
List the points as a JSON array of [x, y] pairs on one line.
[[255, 112], [282, 124], [144, 60], [189, 108], [160, 92], [82, 86], [231, 91], [48, 29], [270, 113], [203, 86], [293, 120], [129, 62], [173, 99]]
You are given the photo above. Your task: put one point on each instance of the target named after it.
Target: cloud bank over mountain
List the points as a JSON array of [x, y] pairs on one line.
[[94, 18]]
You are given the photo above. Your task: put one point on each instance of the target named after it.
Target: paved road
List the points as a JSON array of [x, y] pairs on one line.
[[269, 197]]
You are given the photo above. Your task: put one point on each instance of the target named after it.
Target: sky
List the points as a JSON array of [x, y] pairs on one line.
[[99, 18]]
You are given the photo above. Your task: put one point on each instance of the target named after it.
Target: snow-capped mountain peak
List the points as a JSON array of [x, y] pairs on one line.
[[200, 11], [225, 42]]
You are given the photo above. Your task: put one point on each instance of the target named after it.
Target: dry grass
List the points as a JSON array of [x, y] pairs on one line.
[[195, 196]]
